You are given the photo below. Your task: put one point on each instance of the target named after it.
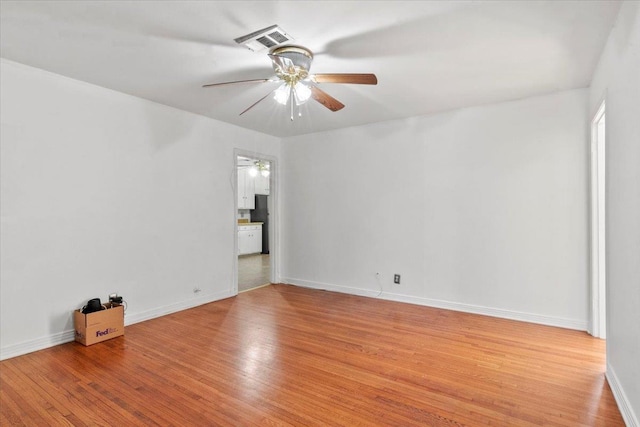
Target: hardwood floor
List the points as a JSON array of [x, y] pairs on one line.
[[282, 355]]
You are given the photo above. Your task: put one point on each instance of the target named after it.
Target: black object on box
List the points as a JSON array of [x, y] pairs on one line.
[[92, 306]]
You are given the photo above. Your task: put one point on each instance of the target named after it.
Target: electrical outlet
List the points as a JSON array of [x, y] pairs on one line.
[[396, 279]]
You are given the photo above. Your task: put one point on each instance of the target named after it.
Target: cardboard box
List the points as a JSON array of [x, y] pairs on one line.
[[99, 326]]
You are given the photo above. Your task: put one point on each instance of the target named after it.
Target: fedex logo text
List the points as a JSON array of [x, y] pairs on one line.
[[105, 332]]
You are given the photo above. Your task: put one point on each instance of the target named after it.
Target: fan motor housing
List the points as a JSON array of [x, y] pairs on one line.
[[300, 56]]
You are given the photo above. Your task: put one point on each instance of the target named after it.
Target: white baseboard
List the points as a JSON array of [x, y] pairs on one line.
[[628, 415], [129, 319], [36, 344], [448, 305]]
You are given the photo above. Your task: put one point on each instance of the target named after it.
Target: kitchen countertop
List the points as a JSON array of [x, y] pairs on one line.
[[250, 223]]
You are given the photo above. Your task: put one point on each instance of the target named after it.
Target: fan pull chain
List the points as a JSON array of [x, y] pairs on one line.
[[291, 100], [297, 101]]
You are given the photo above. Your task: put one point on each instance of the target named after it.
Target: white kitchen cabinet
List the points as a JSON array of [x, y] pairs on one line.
[[261, 184], [249, 239], [246, 190], [244, 237]]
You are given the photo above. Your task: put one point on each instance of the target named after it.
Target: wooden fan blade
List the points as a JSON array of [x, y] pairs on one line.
[[325, 99], [256, 103], [359, 79], [237, 81]]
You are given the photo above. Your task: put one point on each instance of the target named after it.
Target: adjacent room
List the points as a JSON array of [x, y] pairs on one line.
[[254, 260], [320, 213]]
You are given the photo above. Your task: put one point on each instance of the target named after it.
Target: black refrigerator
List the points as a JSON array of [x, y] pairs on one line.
[[261, 214]]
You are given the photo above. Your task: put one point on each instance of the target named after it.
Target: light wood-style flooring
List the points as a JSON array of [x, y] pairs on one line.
[[253, 271], [283, 355]]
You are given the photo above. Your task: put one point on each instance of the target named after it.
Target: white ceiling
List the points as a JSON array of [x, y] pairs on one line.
[[429, 56]]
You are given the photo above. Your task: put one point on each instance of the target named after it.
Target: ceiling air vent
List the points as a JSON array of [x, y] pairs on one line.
[[265, 39]]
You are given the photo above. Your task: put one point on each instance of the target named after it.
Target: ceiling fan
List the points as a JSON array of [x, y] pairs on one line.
[[291, 64]]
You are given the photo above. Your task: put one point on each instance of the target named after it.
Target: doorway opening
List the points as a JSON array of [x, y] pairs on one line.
[[598, 212], [255, 227]]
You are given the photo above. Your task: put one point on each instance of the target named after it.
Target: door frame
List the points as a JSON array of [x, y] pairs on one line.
[[274, 214], [597, 213]]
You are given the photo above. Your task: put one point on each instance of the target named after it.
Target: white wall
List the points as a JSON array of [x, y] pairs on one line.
[[481, 209], [618, 77], [103, 192]]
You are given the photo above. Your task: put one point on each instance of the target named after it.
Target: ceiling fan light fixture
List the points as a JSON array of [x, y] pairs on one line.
[[262, 167], [303, 93], [281, 95], [291, 65]]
